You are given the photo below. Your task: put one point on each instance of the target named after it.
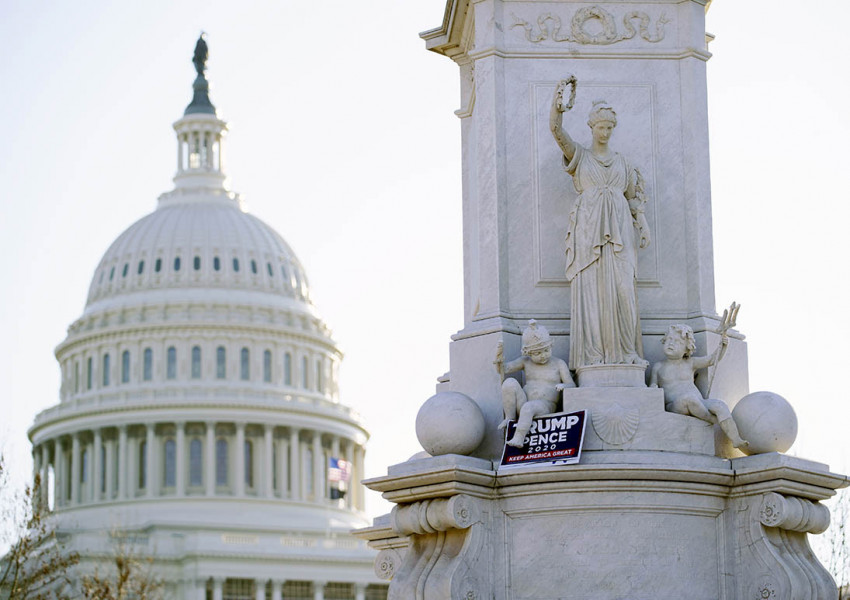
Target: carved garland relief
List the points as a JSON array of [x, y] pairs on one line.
[[579, 34]]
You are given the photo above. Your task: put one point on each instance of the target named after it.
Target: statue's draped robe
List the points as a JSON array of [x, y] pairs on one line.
[[602, 263]]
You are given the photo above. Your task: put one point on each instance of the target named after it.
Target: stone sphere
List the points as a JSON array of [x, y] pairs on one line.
[[450, 423], [767, 421]]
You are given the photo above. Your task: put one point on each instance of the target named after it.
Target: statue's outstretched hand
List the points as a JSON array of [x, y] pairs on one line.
[[559, 103], [645, 238]]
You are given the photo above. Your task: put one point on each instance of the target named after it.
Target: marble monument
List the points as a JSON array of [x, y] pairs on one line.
[[682, 489]]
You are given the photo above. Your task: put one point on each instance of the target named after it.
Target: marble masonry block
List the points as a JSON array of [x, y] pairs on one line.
[[635, 419], [612, 544], [611, 376]]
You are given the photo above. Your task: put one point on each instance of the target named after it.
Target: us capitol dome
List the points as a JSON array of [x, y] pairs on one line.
[[199, 416]]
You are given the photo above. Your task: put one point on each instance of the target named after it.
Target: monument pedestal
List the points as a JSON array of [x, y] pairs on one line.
[[621, 525]]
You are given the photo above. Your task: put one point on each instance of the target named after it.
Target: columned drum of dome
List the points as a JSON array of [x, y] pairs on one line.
[[199, 408]]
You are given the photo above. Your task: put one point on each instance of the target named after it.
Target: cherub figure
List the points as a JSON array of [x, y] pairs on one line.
[[545, 378], [676, 377]]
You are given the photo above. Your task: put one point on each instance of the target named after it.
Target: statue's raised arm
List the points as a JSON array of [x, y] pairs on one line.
[[556, 116]]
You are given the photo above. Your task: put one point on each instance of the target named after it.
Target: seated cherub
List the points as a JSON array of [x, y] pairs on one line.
[[676, 377], [545, 378]]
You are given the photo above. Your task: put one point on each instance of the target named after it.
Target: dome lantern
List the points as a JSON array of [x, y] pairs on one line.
[[200, 134]]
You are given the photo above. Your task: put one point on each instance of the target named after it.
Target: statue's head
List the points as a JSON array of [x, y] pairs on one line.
[[602, 120], [535, 338], [601, 111], [679, 341]]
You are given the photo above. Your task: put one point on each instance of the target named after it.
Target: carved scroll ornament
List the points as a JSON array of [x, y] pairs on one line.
[[773, 552], [793, 514], [579, 34], [429, 516], [446, 556]]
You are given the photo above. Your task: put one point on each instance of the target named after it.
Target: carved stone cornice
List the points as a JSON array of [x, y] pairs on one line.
[[437, 477]]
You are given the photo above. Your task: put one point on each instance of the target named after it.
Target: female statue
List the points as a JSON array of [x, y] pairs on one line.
[[606, 225]]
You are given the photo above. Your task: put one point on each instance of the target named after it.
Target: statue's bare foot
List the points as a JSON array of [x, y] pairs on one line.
[[740, 443], [504, 423], [516, 443]]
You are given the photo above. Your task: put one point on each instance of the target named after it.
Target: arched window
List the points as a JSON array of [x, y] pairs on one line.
[[143, 464], [236, 264], [111, 273], [125, 366], [269, 269], [287, 369], [216, 263], [176, 263], [157, 266], [196, 263], [196, 362], [195, 472], [305, 376], [267, 366], [89, 372], [171, 362], [254, 266], [221, 462], [125, 269], [169, 478], [141, 268], [220, 362], [320, 380], [249, 463], [147, 364], [245, 364], [105, 370]]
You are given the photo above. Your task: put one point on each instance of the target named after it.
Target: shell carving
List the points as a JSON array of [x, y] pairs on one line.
[[615, 425]]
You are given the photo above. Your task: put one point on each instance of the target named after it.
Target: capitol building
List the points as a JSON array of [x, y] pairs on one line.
[[199, 419]]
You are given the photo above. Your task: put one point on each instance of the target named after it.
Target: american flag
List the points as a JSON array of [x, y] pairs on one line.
[[339, 470]]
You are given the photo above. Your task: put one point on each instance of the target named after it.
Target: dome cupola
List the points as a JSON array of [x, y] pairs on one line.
[[200, 134], [200, 242]]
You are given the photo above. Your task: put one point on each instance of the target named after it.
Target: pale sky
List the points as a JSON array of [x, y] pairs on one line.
[[343, 139]]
